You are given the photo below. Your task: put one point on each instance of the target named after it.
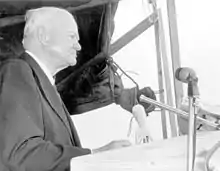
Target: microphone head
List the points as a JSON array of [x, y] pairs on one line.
[[185, 75], [177, 73]]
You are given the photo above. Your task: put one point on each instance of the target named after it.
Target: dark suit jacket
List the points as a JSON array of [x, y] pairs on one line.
[[36, 131]]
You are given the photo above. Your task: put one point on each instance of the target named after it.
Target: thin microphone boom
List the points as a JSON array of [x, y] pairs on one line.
[[177, 111]]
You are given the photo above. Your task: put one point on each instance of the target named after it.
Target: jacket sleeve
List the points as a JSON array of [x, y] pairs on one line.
[[22, 144]]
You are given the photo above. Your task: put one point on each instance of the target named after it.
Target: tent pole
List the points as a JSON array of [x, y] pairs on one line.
[[167, 79], [176, 63], [160, 71], [107, 29], [133, 33]]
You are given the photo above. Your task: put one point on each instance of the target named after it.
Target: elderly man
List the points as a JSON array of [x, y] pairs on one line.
[[36, 131]]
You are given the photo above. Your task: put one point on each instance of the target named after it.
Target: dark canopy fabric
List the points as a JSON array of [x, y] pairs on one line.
[[18, 7]]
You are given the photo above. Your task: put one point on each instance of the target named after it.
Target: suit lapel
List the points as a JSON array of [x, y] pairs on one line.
[[50, 93]]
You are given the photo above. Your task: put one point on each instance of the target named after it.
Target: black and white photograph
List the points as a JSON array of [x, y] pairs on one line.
[[109, 85]]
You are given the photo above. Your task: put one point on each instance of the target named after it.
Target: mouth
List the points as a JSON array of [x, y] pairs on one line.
[[77, 54]]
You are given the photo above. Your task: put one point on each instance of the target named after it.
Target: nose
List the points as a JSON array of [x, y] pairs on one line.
[[77, 46]]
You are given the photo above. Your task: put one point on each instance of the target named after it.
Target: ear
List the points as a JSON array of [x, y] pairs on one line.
[[42, 35]]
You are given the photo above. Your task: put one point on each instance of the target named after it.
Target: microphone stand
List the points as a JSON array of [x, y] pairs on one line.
[[193, 94]]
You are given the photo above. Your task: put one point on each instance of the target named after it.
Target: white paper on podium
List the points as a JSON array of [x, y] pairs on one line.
[[98, 127]]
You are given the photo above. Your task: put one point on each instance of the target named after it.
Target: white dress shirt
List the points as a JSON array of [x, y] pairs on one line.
[[43, 67]]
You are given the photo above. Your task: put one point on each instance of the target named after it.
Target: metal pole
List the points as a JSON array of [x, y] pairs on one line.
[[191, 138]]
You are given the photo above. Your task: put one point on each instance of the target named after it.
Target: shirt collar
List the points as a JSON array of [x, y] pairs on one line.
[[43, 67]]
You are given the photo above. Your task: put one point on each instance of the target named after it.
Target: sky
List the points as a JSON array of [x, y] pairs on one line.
[[199, 43], [198, 31]]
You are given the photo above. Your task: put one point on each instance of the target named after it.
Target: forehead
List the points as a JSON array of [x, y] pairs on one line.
[[69, 25], [72, 26]]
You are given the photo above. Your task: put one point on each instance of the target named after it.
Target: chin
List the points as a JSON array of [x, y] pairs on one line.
[[72, 63]]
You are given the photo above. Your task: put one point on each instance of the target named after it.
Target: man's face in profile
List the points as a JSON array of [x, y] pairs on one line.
[[64, 39]]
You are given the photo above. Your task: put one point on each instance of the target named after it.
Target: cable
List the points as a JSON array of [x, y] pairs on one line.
[[210, 154], [111, 61]]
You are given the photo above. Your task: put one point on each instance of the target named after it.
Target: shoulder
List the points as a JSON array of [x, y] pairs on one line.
[[14, 63], [17, 70]]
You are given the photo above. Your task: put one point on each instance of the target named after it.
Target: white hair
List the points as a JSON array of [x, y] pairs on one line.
[[41, 17]]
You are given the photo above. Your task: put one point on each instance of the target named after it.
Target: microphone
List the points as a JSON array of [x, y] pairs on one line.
[[140, 116], [186, 75]]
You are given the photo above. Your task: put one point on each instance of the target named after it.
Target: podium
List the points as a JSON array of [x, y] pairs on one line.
[[163, 155]]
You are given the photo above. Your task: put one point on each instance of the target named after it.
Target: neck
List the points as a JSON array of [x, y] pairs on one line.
[[45, 59]]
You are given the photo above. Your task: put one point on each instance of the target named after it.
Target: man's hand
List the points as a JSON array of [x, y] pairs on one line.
[[112, 145]]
